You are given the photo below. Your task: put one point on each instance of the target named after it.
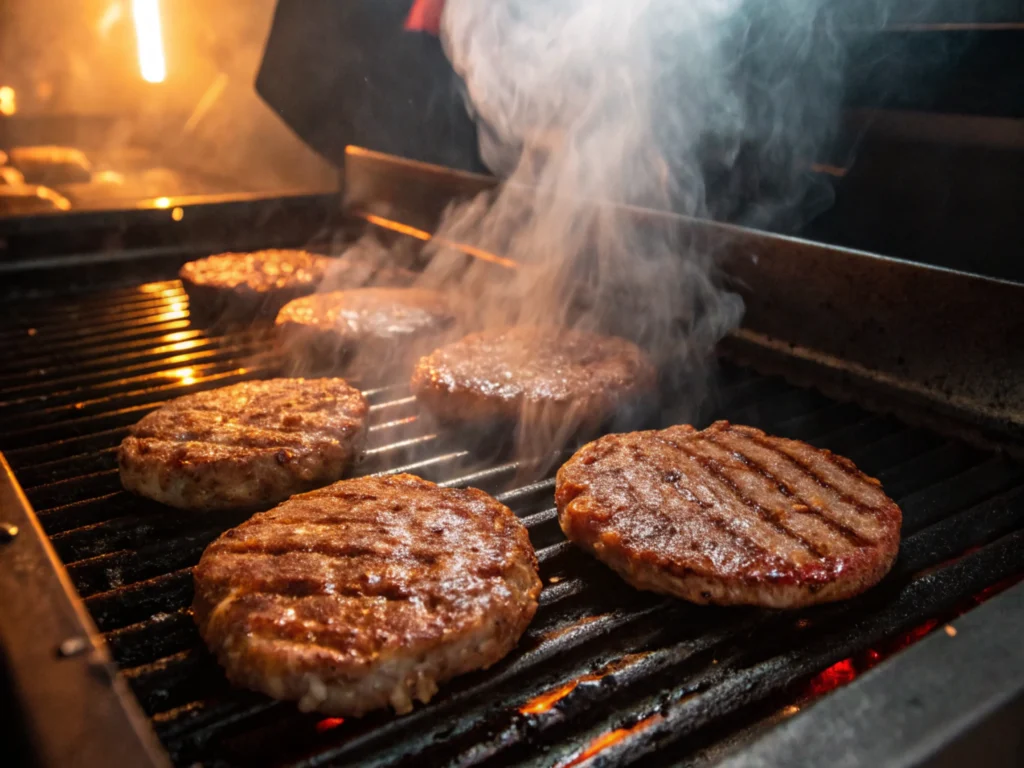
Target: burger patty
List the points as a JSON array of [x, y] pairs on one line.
[[238, 287], [51, 165], [547, 374], [250, 444], [729, 515], [382, 326], [366, 593]]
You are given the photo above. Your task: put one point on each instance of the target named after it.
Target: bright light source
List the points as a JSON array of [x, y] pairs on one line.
[[150, 40], [8, 103]]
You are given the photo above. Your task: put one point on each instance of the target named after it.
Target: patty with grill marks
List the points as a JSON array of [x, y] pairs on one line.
[[367, 593], [536, 373], [239, 287], [729, 515], [247, 445], [375, 328]]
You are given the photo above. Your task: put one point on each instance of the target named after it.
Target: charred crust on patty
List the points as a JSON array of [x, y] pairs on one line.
[[236, 287], [729, 515], [247, 445], [367, 593]]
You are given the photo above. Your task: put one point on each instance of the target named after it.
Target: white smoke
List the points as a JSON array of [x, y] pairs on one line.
[[589, 107]]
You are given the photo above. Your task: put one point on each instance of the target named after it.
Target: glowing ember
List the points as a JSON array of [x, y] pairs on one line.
[[546, 701], [845, 671], [609, 739], [152, 66], [543, 703], [329, 724], [838, 674]]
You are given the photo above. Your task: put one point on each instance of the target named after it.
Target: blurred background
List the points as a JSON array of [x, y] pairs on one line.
[[157, 96]]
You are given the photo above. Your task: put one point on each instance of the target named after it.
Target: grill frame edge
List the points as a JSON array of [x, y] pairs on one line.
[[62, 677]]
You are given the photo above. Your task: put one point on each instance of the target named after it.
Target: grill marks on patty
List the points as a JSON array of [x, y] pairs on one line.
[[366, 593], [763, 520], [245, 445]]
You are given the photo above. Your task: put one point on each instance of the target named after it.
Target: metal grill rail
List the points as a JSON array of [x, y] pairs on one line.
[[604, 672]]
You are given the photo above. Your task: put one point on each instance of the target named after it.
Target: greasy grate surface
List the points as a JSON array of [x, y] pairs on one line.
[[604, 673]]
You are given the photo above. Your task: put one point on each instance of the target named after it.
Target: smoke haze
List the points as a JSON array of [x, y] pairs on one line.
[[706, 108]]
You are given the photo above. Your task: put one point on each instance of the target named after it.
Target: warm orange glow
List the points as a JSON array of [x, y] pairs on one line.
[[843, 672], [162, 202], [206, 102], [419, 234], [178, 214], [108, 177], [8, 101], [110, 17], [543, 703], [177, 306], [840, 673], [152, 65], [609, 739], [329, 724], [547, 700], [185, 375], [59, 201]]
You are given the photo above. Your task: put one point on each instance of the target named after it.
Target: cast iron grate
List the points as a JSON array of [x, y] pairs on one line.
[[604, 673]]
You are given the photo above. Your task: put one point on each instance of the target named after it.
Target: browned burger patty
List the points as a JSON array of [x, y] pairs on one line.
[[51, 165], [238, 287], [554, 375], [246, 445], [366, 593], [382, 326], [729, 515]]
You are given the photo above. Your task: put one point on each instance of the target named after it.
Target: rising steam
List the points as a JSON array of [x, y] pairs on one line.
[[705, 108]]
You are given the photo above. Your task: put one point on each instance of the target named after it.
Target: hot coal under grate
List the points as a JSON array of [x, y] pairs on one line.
[[604, 673]]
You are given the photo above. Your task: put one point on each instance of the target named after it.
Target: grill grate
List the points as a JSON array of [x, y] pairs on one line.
[[604, 672]]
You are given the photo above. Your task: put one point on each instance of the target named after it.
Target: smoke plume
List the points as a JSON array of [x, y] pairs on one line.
[[593, 108]]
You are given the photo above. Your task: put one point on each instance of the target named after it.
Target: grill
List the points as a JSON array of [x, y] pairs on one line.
[[604, 673]]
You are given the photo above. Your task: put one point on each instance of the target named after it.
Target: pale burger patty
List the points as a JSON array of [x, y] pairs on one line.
[[367, 593], [382, 326], [729, 515]]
